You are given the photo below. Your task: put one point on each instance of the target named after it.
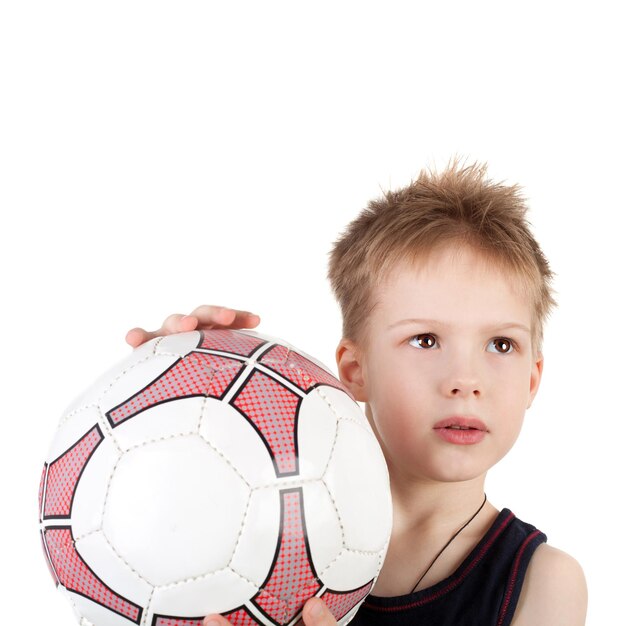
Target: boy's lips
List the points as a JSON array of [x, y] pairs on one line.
[[461, 422], [461, 430]]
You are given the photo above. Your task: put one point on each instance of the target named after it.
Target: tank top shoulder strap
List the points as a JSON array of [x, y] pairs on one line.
[[525, 539]]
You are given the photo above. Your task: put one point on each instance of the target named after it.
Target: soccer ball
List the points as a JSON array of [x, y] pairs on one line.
[[214, 471]]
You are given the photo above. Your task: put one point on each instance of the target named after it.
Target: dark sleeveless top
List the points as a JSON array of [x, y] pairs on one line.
[[483, 591]]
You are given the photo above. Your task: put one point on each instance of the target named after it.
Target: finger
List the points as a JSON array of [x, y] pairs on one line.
[[244, 319], [187, 323], [172, 324], [316, 613], [211, 316], [136, 336]]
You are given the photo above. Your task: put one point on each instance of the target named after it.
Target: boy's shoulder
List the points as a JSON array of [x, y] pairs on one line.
[[554, 590]]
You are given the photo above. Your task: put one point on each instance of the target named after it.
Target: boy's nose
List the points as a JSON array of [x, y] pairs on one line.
[[461, 387], [461, 374], [462, 391]]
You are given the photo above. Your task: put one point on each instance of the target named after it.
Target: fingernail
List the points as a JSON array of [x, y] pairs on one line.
[[211, 622]]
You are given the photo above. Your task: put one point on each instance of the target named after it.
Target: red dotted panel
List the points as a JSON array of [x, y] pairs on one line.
[[230, 341], [340, 603], [241, 617], [159, 620], [64, 472], [75, 576], [50, 568], [197, 374], [299, 370], [272, 409], [275, 356], [292, 580], [41, 481]]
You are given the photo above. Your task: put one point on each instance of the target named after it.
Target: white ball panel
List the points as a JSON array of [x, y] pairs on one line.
[[352, 569], [258, 540], [358, 481], [69, 597], [95, 390], [317, 428], [172, 509], [91, 489], [227, 429], [114, 573], [135, 377], [322, 526], [179, 343], [213, 593], [176, 417], [71, 428], [343, 406]]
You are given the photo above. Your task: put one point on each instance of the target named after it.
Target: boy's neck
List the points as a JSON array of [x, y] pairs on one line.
[[425, 517], [421, 506]]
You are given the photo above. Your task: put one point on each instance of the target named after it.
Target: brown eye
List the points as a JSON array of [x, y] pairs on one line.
[[506, 343], [425, 340]]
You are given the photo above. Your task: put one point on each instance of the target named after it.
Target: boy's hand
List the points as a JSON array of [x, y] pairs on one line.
[[203, 317], [311, 618]]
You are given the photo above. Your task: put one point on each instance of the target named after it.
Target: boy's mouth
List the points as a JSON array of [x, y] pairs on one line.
[[461, 422], [462, 430]]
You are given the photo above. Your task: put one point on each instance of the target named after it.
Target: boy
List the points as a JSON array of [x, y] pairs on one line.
[[444, 293]]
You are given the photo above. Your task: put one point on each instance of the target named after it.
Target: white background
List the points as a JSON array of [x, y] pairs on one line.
[[156, 156]]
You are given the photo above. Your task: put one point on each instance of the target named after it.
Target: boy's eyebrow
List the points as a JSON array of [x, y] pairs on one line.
[[501, 326]]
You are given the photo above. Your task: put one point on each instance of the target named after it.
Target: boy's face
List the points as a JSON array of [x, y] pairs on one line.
[[412, 375]]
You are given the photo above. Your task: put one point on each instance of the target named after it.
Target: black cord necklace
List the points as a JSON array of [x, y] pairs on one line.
[[449, 542]]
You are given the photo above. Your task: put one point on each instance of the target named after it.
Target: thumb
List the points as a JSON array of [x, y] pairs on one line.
[[316, 613]]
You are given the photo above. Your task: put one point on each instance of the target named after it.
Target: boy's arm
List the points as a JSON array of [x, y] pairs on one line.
[[554, 592]]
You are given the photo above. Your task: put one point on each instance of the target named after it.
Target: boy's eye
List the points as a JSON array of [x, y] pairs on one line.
[[427, 340], [419, 339], [508, 345]]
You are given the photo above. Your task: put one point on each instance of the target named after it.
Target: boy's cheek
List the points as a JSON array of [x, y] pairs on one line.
[[389, 422]]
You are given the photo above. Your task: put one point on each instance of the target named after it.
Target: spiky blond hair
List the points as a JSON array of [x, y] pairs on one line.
[[457, 206]]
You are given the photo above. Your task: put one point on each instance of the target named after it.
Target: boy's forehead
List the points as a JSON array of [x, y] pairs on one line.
[[451, 284]]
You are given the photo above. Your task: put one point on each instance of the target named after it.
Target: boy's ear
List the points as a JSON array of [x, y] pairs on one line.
[[535, 378], [350, 368]]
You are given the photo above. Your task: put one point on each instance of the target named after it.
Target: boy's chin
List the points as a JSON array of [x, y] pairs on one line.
[[457, 472], [460, 476]]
